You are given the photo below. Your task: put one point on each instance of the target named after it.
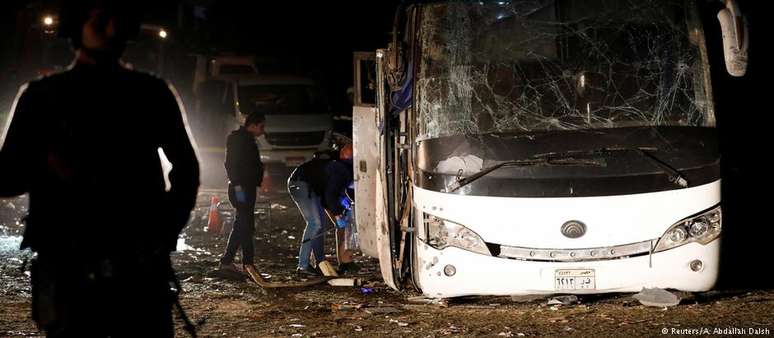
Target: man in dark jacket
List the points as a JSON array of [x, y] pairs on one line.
[[317, 187], [85, 145], [245, 173]]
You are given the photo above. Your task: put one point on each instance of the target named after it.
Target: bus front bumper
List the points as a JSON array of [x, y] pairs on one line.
[[453, 272]]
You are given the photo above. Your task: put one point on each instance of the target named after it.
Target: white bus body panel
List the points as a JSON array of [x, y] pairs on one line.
[[380, 189], [383, 232], [536, 223], [365, 140]]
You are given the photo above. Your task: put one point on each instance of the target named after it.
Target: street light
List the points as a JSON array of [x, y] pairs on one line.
[[162, 34], [49, 24]]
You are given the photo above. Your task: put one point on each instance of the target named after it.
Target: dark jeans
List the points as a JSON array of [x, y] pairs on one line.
[[243, 231]]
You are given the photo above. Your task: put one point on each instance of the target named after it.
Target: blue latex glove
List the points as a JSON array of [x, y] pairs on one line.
[[345, 202], [341, 221], [241, 196]]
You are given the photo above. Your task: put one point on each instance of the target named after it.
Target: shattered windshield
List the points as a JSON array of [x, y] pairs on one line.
[[538, 65]]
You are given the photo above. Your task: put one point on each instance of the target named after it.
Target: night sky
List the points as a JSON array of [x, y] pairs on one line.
[[313, 38]]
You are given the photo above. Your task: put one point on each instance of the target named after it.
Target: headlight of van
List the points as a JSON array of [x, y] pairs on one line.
[[702, 228], [442, 233]]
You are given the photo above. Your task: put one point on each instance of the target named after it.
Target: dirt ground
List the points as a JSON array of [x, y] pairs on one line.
[[229, 307]]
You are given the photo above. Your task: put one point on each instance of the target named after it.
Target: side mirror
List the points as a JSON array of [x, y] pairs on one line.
[[735, 38]]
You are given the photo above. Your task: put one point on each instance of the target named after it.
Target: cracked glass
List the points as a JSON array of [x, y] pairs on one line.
[[527, 66]]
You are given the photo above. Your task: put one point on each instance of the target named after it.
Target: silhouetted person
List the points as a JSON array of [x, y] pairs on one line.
[[85, 145], [245, 173]]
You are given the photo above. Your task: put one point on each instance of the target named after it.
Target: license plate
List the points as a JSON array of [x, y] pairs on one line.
[[575, 279], [294, 161]]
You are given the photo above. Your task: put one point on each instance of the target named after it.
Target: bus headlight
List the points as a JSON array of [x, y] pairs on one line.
[[442, 233], [702, 228], [677, 235], [698, 228]]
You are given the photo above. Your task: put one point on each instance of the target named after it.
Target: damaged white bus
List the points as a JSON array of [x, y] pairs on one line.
[[542, 146]]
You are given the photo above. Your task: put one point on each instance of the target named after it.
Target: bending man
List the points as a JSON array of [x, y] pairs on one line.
[[318, 186]]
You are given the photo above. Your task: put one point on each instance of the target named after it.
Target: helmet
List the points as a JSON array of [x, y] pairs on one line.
[[74, 13]]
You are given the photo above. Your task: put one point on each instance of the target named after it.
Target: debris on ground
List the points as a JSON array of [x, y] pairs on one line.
[[395, 321], [657, 297], [382, 310], [563, 300], [262, 279], [344, 282], [427, 300], [527, 298], [345, 307], [327, 269], [451, 330]]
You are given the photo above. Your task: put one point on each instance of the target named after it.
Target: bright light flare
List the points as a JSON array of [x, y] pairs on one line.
[[163, 34], [48, 20]]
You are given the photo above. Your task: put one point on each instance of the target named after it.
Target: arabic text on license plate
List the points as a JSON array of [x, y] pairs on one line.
[[575, 279]]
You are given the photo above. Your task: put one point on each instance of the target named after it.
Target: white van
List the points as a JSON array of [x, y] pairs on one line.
[[536, 147], [298, 122]]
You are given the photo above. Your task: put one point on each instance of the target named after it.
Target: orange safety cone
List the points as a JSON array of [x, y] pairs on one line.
[[213, 222]]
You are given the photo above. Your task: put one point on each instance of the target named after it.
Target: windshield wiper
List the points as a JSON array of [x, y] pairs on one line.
[[463, 181], [673, 174]]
